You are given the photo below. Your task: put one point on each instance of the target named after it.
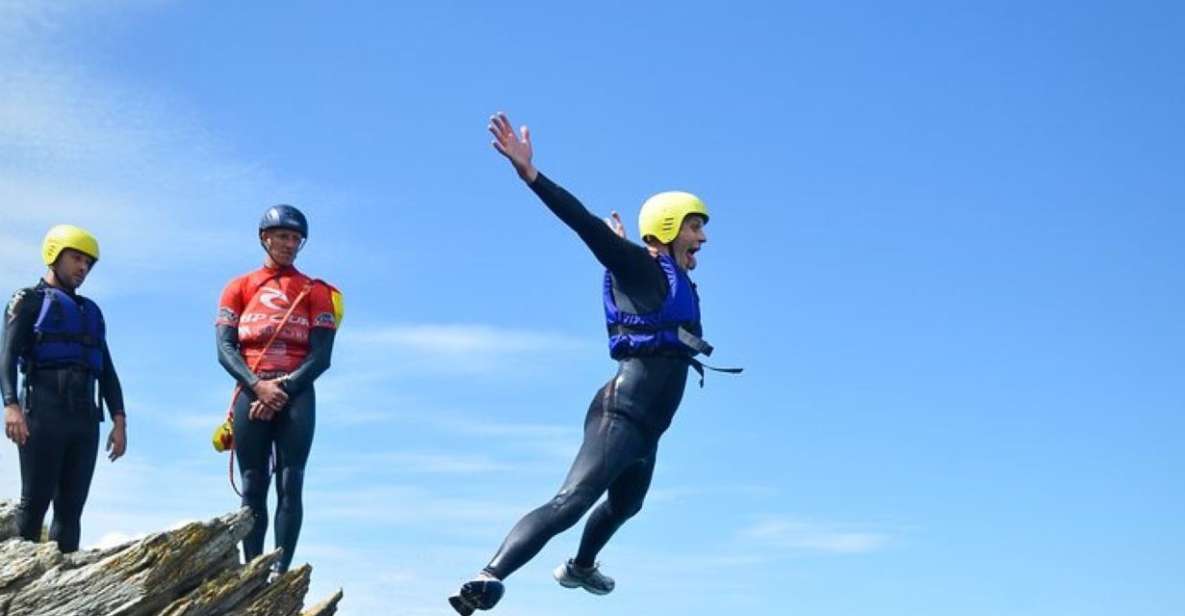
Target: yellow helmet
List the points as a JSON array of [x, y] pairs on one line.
[[68, 236], [663, 214]]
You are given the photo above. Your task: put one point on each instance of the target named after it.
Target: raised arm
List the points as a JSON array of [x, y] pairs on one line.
[[622, 257]]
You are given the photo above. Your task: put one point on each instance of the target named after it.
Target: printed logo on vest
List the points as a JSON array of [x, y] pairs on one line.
[[226, 316], [269, 297]]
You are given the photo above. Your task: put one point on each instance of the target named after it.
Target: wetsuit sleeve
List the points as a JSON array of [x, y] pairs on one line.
[[629, 262], [230, 308], [19, 319], [230, 358], [315, 363], [109, 385]]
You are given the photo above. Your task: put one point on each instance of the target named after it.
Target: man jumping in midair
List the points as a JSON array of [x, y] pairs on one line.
[[653, 319]]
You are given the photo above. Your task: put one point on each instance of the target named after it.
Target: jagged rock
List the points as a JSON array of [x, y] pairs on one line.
[[8, 527], [223, 592], [327, 607], [283, 597], [191, 571]]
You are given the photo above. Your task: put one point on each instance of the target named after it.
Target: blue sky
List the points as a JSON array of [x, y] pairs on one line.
[[945, 245]]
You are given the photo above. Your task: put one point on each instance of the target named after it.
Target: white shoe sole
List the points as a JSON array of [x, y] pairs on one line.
[[561, 576]]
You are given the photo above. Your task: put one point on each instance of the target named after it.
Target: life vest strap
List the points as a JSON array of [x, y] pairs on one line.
[[699, 366], [86, 340], [686, 338], [693, 341]]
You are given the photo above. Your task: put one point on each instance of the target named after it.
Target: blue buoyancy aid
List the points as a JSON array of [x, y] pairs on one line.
[[675, 326], [69, 332]]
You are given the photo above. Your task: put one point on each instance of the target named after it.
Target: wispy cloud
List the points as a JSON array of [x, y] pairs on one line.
[[799, 535], [463, 339], [117, 159], [422, 462], [678, 494]]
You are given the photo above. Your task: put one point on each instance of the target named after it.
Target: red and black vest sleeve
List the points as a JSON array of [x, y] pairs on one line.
[[230, 309]]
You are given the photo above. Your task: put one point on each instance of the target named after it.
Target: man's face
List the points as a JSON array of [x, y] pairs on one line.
[[282, 245], [689, 241], [72, 267]]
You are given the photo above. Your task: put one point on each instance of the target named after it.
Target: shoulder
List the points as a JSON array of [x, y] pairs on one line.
[[235, 287], [238, 281], [327, 303], [28, 298], [86, 301], [320, 286]]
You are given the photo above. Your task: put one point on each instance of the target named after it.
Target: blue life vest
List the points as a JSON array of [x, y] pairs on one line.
[[68, 332], [674, 327]]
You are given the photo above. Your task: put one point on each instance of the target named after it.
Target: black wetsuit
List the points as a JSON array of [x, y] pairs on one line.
[[626, 418], [62, 414], [290, 433]]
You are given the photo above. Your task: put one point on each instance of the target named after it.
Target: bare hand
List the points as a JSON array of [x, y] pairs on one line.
[[117, 440], [260, 412], [517, 150], [270, 393], [15, 427], [614, 222]]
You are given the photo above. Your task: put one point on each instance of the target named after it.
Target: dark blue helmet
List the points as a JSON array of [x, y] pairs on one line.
[[284, 217]]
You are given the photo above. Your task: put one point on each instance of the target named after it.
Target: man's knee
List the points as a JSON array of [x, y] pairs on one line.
[[624, 509], [255, 488], [570, 505], [289, 485]]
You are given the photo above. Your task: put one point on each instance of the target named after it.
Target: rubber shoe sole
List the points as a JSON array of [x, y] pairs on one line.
[[477, 595], [569, 581]]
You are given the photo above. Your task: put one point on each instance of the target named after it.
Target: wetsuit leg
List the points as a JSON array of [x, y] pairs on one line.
[[81, 448], [625, 500], [253, 448], [294, 438], [612, 444], [41, 466]]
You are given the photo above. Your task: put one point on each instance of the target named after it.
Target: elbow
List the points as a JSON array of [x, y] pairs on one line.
[[320, 367]]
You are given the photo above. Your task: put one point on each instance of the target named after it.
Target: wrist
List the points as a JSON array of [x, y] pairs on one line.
[[120, 419], [529, 173]]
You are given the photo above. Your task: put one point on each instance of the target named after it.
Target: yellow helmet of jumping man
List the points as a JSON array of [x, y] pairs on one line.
[[61, 237], [663, 214]]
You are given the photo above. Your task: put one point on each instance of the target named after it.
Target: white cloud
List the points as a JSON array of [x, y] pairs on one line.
[[798, 535], [463, 339], [421, 462], [132, 166], [679, 494]]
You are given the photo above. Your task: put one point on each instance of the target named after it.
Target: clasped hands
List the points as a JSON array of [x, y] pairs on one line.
[[270, 398]]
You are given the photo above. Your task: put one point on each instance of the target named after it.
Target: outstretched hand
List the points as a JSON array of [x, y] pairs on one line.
[[514, 147], [618, 227]]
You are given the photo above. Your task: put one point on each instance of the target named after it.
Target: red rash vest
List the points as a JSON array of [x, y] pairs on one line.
[[256, 302]]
